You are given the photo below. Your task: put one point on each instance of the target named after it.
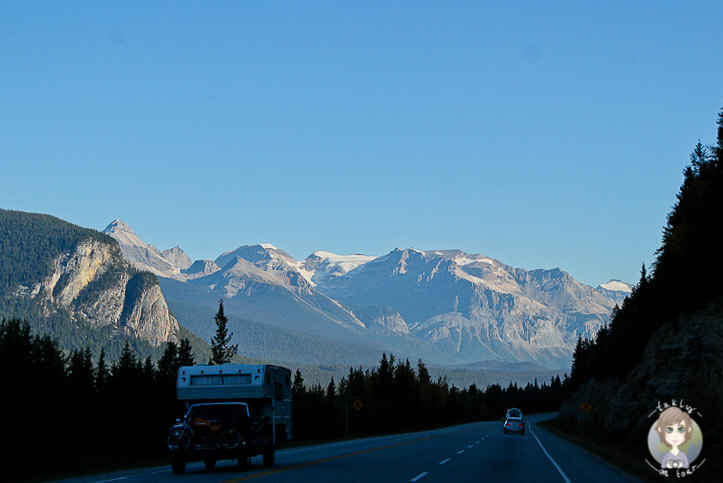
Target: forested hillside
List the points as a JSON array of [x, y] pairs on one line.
[[72, 283], [666, 341], [30, 243]]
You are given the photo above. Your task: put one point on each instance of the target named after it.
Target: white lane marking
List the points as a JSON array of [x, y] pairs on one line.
[[476, 442], [554, 463], [114, 479], [460, 451], [445, 461], [164, 470], [470, 446], [419, 476]]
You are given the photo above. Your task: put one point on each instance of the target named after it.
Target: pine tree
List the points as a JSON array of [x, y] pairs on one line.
[[101, 373], [331, 392], [128, 365], [297, 388], [80, 372], [168, 363], [149, 372], [185, 353], [221, 349]]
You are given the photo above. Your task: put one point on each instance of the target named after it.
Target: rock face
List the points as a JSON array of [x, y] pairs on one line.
[[86, 278], [145, 313], [380, 320], [72, 272], [682, 360], [200, 268], [96, 284]]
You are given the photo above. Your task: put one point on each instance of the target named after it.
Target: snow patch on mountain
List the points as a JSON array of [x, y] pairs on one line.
[[617, 286], [322, 265], [463, 260]]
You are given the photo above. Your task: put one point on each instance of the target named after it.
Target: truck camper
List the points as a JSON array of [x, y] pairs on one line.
[[234, 411]]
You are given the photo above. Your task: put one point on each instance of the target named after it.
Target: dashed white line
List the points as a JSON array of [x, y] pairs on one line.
[[445, 461], [114, 479], [460, 451], [470, 446], [554, 463], [419, 476]]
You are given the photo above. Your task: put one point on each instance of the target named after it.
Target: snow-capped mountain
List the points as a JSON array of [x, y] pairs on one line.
[[478, 308], [615, 290], [264, 284], [277, 265], [446, 306]]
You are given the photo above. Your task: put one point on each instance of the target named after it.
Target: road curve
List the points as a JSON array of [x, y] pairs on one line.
[[469, 452]]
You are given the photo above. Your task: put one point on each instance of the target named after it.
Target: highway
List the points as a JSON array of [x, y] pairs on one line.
[[470, 452]]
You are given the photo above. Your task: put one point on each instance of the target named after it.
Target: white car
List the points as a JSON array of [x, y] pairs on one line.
[[514, 421]]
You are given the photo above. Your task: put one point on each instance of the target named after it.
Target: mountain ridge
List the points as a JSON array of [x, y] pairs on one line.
[[462, 307]]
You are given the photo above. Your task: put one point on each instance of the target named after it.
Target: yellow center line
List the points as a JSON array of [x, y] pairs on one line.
[[341, 456]]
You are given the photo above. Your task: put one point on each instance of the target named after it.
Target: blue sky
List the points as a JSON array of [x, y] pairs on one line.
[[543, 134]]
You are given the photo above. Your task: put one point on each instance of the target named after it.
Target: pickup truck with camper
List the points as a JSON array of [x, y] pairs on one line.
[[234, 411]]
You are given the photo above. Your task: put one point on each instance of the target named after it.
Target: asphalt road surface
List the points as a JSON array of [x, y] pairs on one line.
[[470, 452]]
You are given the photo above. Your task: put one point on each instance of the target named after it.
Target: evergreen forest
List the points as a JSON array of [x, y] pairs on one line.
[[665, 343], [79, 413], [686, 276]]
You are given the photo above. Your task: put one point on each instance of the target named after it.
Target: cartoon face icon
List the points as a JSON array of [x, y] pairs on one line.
[[674, 439], [674, 427]]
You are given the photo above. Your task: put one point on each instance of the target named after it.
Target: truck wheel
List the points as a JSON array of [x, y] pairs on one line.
[[269, 457], [178, 464], [244, 461], [210, 464]]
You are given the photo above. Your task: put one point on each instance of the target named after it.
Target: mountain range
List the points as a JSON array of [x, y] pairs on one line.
[[447, 307]]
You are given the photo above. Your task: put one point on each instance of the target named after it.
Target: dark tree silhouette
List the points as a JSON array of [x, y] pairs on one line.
[[222, 351]]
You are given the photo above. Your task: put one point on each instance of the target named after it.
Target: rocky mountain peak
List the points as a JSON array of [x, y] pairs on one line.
[[123, 233], [177, 257], [144, 256]]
